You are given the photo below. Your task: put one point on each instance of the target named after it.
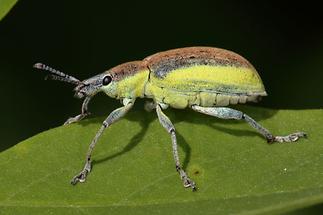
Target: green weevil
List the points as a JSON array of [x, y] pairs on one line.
[[204, 79]]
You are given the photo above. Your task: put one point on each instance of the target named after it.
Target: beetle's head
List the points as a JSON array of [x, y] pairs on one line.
[[86, 88], [125, 80], [92, 86]]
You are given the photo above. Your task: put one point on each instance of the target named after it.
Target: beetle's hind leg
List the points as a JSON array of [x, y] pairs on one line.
[[229, 113], [167, 124], [83, 114]]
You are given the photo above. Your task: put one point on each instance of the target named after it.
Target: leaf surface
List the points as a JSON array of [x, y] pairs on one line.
[[236, 171], [5, 7]]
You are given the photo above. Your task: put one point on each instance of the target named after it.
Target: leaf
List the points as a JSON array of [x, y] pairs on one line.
[[5, 7], [236, 171]]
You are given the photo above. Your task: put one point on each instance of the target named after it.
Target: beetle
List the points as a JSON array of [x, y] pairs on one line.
[[205, 79]]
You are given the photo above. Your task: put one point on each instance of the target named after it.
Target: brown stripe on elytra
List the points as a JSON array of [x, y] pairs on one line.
[[164, 62], [126, 69]]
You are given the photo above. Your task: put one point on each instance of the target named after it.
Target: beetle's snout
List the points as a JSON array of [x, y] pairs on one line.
[[88, 87], [80, 91]]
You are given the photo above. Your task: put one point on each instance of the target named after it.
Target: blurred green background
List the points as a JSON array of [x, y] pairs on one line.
[[284, 42]]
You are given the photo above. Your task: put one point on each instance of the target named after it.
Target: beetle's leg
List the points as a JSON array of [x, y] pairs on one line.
[[229, 113], [167, 124], [83, 114], [113, 117]]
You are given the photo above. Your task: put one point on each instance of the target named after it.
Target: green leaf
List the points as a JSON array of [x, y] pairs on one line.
[[5, 7], [134, 172]]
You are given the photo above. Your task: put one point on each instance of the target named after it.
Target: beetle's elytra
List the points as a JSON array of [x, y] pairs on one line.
[[204, 79]]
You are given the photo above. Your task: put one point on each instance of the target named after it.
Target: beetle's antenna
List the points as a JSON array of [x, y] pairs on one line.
[[57, 75]]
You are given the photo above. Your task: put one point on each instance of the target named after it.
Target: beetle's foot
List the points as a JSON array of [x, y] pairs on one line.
[[289, 138], [72, 120], [82, 175], [76, 118], [187, 182]]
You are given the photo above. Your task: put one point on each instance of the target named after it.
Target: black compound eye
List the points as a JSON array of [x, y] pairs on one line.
[[106, 80]]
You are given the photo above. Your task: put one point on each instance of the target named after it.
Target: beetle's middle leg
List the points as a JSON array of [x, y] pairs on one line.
[[229, 113], [83, 114], [167, 124]]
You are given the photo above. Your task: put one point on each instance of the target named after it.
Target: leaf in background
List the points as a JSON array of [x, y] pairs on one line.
[[5, 7], [134, 172]]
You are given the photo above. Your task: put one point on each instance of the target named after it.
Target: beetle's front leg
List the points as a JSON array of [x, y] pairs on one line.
[[113, 117], [83, 114], [229, 113], [167, 124]]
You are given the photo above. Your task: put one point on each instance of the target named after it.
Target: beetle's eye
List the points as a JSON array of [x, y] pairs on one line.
[[106, 80]]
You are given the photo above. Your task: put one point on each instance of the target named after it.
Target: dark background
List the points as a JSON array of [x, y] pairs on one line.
[[284, 42]]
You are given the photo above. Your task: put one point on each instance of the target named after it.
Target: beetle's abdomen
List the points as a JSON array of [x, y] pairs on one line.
[[182, 100]]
